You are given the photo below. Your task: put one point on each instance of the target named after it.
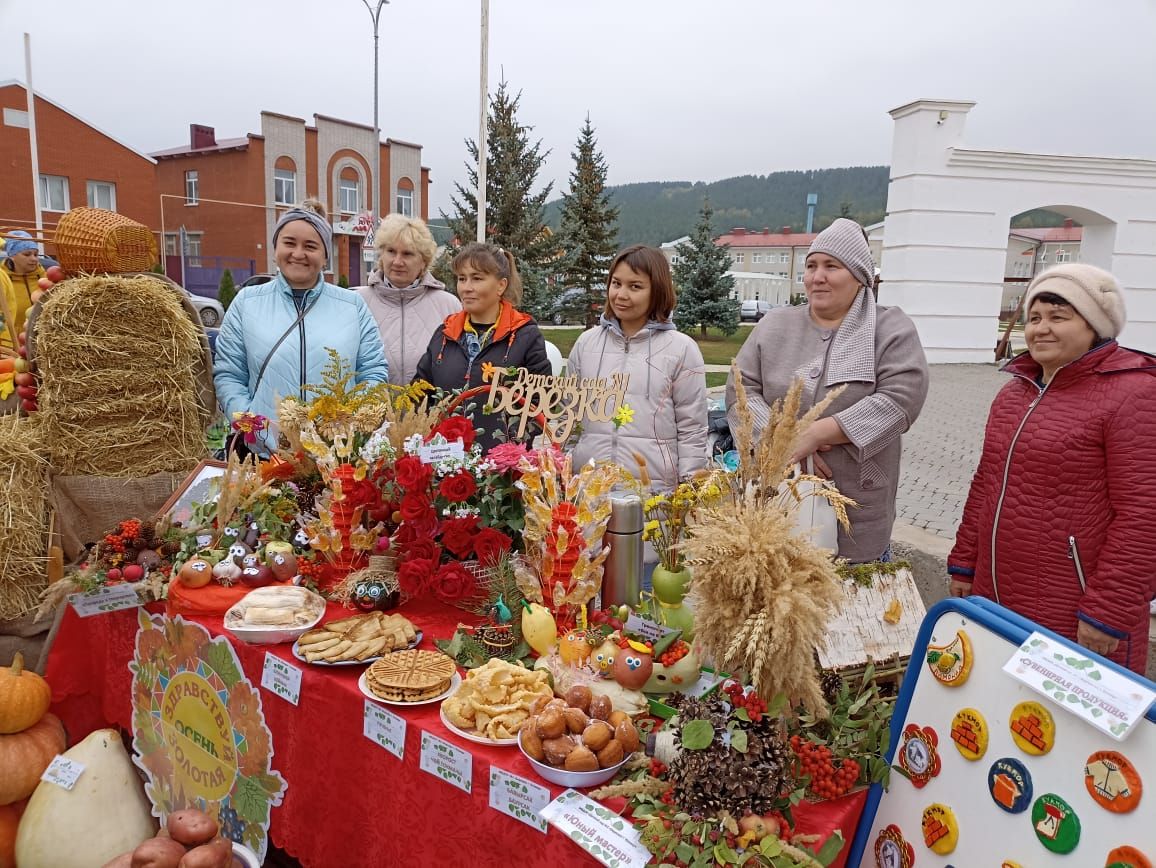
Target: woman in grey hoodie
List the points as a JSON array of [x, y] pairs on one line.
[[407, 302], [667, 388]]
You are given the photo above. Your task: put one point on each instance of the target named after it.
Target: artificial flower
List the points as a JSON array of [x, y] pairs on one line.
[[453, 583], [420, 550], [458, 536], [457, 428], [505, 456], [490, 544], [411, 473], [414, 576], [624, 415], [458, 487], [251, 425], [414, 506]]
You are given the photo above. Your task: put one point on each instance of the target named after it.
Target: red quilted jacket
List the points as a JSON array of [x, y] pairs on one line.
[[1066, 485]]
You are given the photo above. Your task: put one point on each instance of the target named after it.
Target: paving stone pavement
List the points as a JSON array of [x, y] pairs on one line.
[[941, 450]]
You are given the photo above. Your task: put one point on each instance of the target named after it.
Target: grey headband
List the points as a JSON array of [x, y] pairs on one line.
[[313, 219]]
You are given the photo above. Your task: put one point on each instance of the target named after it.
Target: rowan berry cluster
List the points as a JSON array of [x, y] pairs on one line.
[[817, 763]]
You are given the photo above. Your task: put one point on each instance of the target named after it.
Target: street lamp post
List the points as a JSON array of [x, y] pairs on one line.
[[375, 14], [484, 74]]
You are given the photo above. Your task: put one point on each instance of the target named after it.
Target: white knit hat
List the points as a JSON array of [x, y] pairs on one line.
[[844, 240], [1092, 291]]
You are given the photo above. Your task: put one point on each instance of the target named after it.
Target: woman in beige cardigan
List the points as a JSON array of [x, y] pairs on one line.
[[407, 302], [842, 338]]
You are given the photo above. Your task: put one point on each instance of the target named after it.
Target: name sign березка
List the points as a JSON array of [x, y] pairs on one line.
[[562, 401]]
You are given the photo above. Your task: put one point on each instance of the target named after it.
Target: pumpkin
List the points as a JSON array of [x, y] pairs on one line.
[[105, 814], [25, 755], [24, 697], [9, 820]]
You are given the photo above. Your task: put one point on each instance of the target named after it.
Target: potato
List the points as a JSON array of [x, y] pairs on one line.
[[158, 853], [601, 707], [551, 723], [124, 860], [610, 755], [532, 744], [581, 759], [576, 719], [218, 853], [579, 696], [616, 717], [191, 827], [557, 749], [597, 734], [627, 735]]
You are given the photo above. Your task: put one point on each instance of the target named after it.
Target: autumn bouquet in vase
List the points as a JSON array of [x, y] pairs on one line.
[[343, 430], [566, 513]]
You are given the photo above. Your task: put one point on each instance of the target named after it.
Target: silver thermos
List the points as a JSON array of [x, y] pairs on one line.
[[622, 571]]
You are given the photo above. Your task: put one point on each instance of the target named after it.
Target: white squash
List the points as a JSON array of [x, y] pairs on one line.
[[105, 814]]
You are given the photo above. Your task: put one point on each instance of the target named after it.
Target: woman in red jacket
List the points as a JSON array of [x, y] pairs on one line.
[[1058, 523]]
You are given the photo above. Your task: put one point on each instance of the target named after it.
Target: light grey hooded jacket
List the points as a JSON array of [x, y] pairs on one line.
[[407, 319], [667, 392]]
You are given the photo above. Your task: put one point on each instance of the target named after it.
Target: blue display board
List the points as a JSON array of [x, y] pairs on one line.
[[994, 773]]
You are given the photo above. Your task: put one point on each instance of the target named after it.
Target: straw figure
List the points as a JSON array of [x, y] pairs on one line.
[[23, 515], [762, 594]]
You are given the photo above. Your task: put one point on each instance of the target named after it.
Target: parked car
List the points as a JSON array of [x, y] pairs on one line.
[[566, 307], [255, 280], [754, 310], [208, 309]]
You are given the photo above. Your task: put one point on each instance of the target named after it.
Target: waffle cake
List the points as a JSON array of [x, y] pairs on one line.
[[410, 676]]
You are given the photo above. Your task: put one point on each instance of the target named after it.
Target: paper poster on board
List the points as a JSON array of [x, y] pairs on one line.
[[199, 731]]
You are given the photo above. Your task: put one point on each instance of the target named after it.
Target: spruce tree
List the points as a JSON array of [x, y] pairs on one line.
[[589, 230], [704, 286], [515, 214], [226, 289]]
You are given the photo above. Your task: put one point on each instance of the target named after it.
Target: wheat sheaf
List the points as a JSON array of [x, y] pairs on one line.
[[763, 595]]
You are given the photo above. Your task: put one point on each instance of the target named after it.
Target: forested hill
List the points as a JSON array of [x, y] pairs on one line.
[[658, 211]]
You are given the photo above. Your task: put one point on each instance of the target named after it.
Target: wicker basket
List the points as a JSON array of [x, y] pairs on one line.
[[93, 240]]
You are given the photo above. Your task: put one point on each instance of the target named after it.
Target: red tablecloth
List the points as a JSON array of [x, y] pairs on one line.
[[348, 802]]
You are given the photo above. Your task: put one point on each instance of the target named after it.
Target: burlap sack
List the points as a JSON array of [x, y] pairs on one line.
[[88, 507]]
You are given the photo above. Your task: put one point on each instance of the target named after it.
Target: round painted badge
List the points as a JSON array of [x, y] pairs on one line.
[[1127, 857], [919, 754], [1010, 784], [1033, 728], [892, 850], [951, 663], [940, 829], [969, 732], [1056, 824], [1112, 781]]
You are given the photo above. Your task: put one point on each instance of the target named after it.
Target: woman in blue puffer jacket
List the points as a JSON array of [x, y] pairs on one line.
[[276, 336]]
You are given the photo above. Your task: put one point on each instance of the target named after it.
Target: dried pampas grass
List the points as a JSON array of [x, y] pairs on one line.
[[762, 595], [23, 515], [125, 386]]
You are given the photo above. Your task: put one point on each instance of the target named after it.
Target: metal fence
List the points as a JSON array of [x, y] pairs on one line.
[[201, 275]]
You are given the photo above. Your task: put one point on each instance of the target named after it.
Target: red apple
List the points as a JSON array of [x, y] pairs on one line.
[[54, 273], [45, 283], [114, 575], [133, 573]]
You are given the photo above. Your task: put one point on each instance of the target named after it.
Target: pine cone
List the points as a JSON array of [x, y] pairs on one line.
[[829, 683]]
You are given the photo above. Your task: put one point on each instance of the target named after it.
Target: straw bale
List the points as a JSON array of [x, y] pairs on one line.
[[23, 515], [123, 369]]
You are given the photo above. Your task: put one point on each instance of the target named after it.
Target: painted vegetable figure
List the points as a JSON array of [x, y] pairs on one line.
[[633, 665], [538, 627]]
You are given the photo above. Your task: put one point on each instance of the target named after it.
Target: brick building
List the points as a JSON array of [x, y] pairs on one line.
[[79, 165], [226, 194]]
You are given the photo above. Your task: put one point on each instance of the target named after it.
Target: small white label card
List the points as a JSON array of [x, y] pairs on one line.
[[1108, 700], [646, 628], [281, 678], [603, 834], [63, 772], [439, 449], [384, 728], [442, 760], [518, 798], [110, 598]]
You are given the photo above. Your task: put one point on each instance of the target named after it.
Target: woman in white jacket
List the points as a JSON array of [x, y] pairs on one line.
[[667, 388]]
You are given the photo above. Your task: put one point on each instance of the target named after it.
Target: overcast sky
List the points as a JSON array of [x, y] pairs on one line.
[[677, 90]]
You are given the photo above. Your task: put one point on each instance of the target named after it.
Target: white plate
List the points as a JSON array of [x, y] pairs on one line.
[[363, 685], [297, 653], [473, 736]]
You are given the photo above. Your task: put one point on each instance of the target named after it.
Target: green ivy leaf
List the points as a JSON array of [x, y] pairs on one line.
[[739, 740], [771, 846], [251, 800], [741, 714], [725, 854], [219, 656], [697, 734]]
